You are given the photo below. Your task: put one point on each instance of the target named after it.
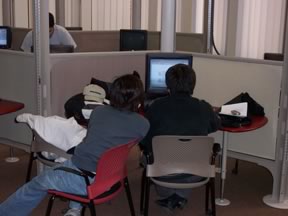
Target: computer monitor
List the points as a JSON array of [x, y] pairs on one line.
[[133, 40], [274, 56], [157, 65], [59, 48], [5, 37]]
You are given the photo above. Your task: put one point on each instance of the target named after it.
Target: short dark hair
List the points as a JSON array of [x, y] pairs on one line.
[[51, 20], [127, 93], [180, 78]]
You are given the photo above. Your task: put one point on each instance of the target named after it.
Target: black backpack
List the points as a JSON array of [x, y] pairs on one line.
[[254, 109]]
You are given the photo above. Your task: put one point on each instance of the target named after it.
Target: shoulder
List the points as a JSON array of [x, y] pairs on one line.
[[101, 109], [29, 34], [27, 42], [158, 102], [60, 29], [204, 104]]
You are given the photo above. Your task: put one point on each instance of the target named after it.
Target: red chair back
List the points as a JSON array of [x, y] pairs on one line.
[[111, 169]]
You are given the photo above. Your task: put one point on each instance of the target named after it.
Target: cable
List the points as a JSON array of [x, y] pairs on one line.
[[212, 27]]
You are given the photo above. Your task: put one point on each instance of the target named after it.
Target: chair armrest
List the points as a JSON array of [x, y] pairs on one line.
[[76, 172], [216, 150], [149, 157]]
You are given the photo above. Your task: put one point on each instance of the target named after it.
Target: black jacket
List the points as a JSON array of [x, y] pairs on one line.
[[179, 115]]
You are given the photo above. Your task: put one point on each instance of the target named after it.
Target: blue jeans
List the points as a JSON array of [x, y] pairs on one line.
[[27, 197]]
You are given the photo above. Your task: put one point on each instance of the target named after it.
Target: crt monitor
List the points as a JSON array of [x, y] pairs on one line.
[[133, 40], [157, 65], [5, 37]]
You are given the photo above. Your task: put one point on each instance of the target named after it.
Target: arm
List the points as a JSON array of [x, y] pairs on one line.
[[146, 143], [67, 38], [27, 42], [214, 119]]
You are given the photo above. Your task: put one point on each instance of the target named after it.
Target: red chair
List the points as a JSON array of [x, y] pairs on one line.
[[110, 180]]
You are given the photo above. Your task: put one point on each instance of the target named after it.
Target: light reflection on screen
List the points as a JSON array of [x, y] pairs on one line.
[[3, 37], [158, 69]]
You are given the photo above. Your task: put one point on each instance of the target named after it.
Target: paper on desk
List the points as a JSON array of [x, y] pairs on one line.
[[238, 109]]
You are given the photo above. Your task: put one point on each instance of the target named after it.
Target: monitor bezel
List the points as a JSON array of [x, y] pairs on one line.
[[8, 38], [131, 31], [155, 56]]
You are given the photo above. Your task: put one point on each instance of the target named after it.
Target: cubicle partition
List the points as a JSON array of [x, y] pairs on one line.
[[17, 82], [109, 41], [221, 79], [70, 73]]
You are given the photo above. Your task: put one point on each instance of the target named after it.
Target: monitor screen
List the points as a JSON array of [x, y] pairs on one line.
[[133, 40], [5, 37], [157, 65]]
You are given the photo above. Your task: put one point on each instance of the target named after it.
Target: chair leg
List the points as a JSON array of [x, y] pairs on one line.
[[129, 196], [92, 209], [142, 192], [147, 194], [50, 204], [83, 210], [235, 170], [207, 196], [31, 159], [212, 190]]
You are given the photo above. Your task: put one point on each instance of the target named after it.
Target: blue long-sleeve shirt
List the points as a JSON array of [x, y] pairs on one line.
[[108, 127]]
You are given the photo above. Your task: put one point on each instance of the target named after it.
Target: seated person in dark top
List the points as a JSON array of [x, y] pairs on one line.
[[109, 126], [179, 114]]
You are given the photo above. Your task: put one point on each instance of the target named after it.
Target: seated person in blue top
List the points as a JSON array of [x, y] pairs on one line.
[[109, 126], [179, 114], [58, 36]]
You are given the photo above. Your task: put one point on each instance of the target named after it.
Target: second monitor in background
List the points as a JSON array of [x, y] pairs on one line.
[[5, 37], [157, 65], [133, 39]]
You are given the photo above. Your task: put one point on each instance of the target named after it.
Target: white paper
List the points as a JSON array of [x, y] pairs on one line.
[[238, 109]]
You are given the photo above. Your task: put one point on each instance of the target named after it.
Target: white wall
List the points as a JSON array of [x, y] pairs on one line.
[[21, 13], [24, 12], [111, 14]]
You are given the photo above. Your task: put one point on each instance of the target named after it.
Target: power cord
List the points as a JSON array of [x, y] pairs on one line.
[[212, 28]]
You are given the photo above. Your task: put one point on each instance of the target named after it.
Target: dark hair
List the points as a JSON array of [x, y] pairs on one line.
[[180, 78], [51, 20], [135, 73], [127, 93]]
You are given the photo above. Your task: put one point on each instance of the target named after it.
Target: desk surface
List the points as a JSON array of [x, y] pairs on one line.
[[7, 106], [257, 122]]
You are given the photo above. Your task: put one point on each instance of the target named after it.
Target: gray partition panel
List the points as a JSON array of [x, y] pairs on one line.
[[17, 82]]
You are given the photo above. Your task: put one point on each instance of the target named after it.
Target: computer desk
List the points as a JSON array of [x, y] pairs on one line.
[[8, 106], [256, 123]]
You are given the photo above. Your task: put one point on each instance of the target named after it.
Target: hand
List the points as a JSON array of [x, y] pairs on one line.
[[216, 109]]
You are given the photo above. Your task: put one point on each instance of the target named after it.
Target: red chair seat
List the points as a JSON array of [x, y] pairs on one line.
[[102, 198]]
